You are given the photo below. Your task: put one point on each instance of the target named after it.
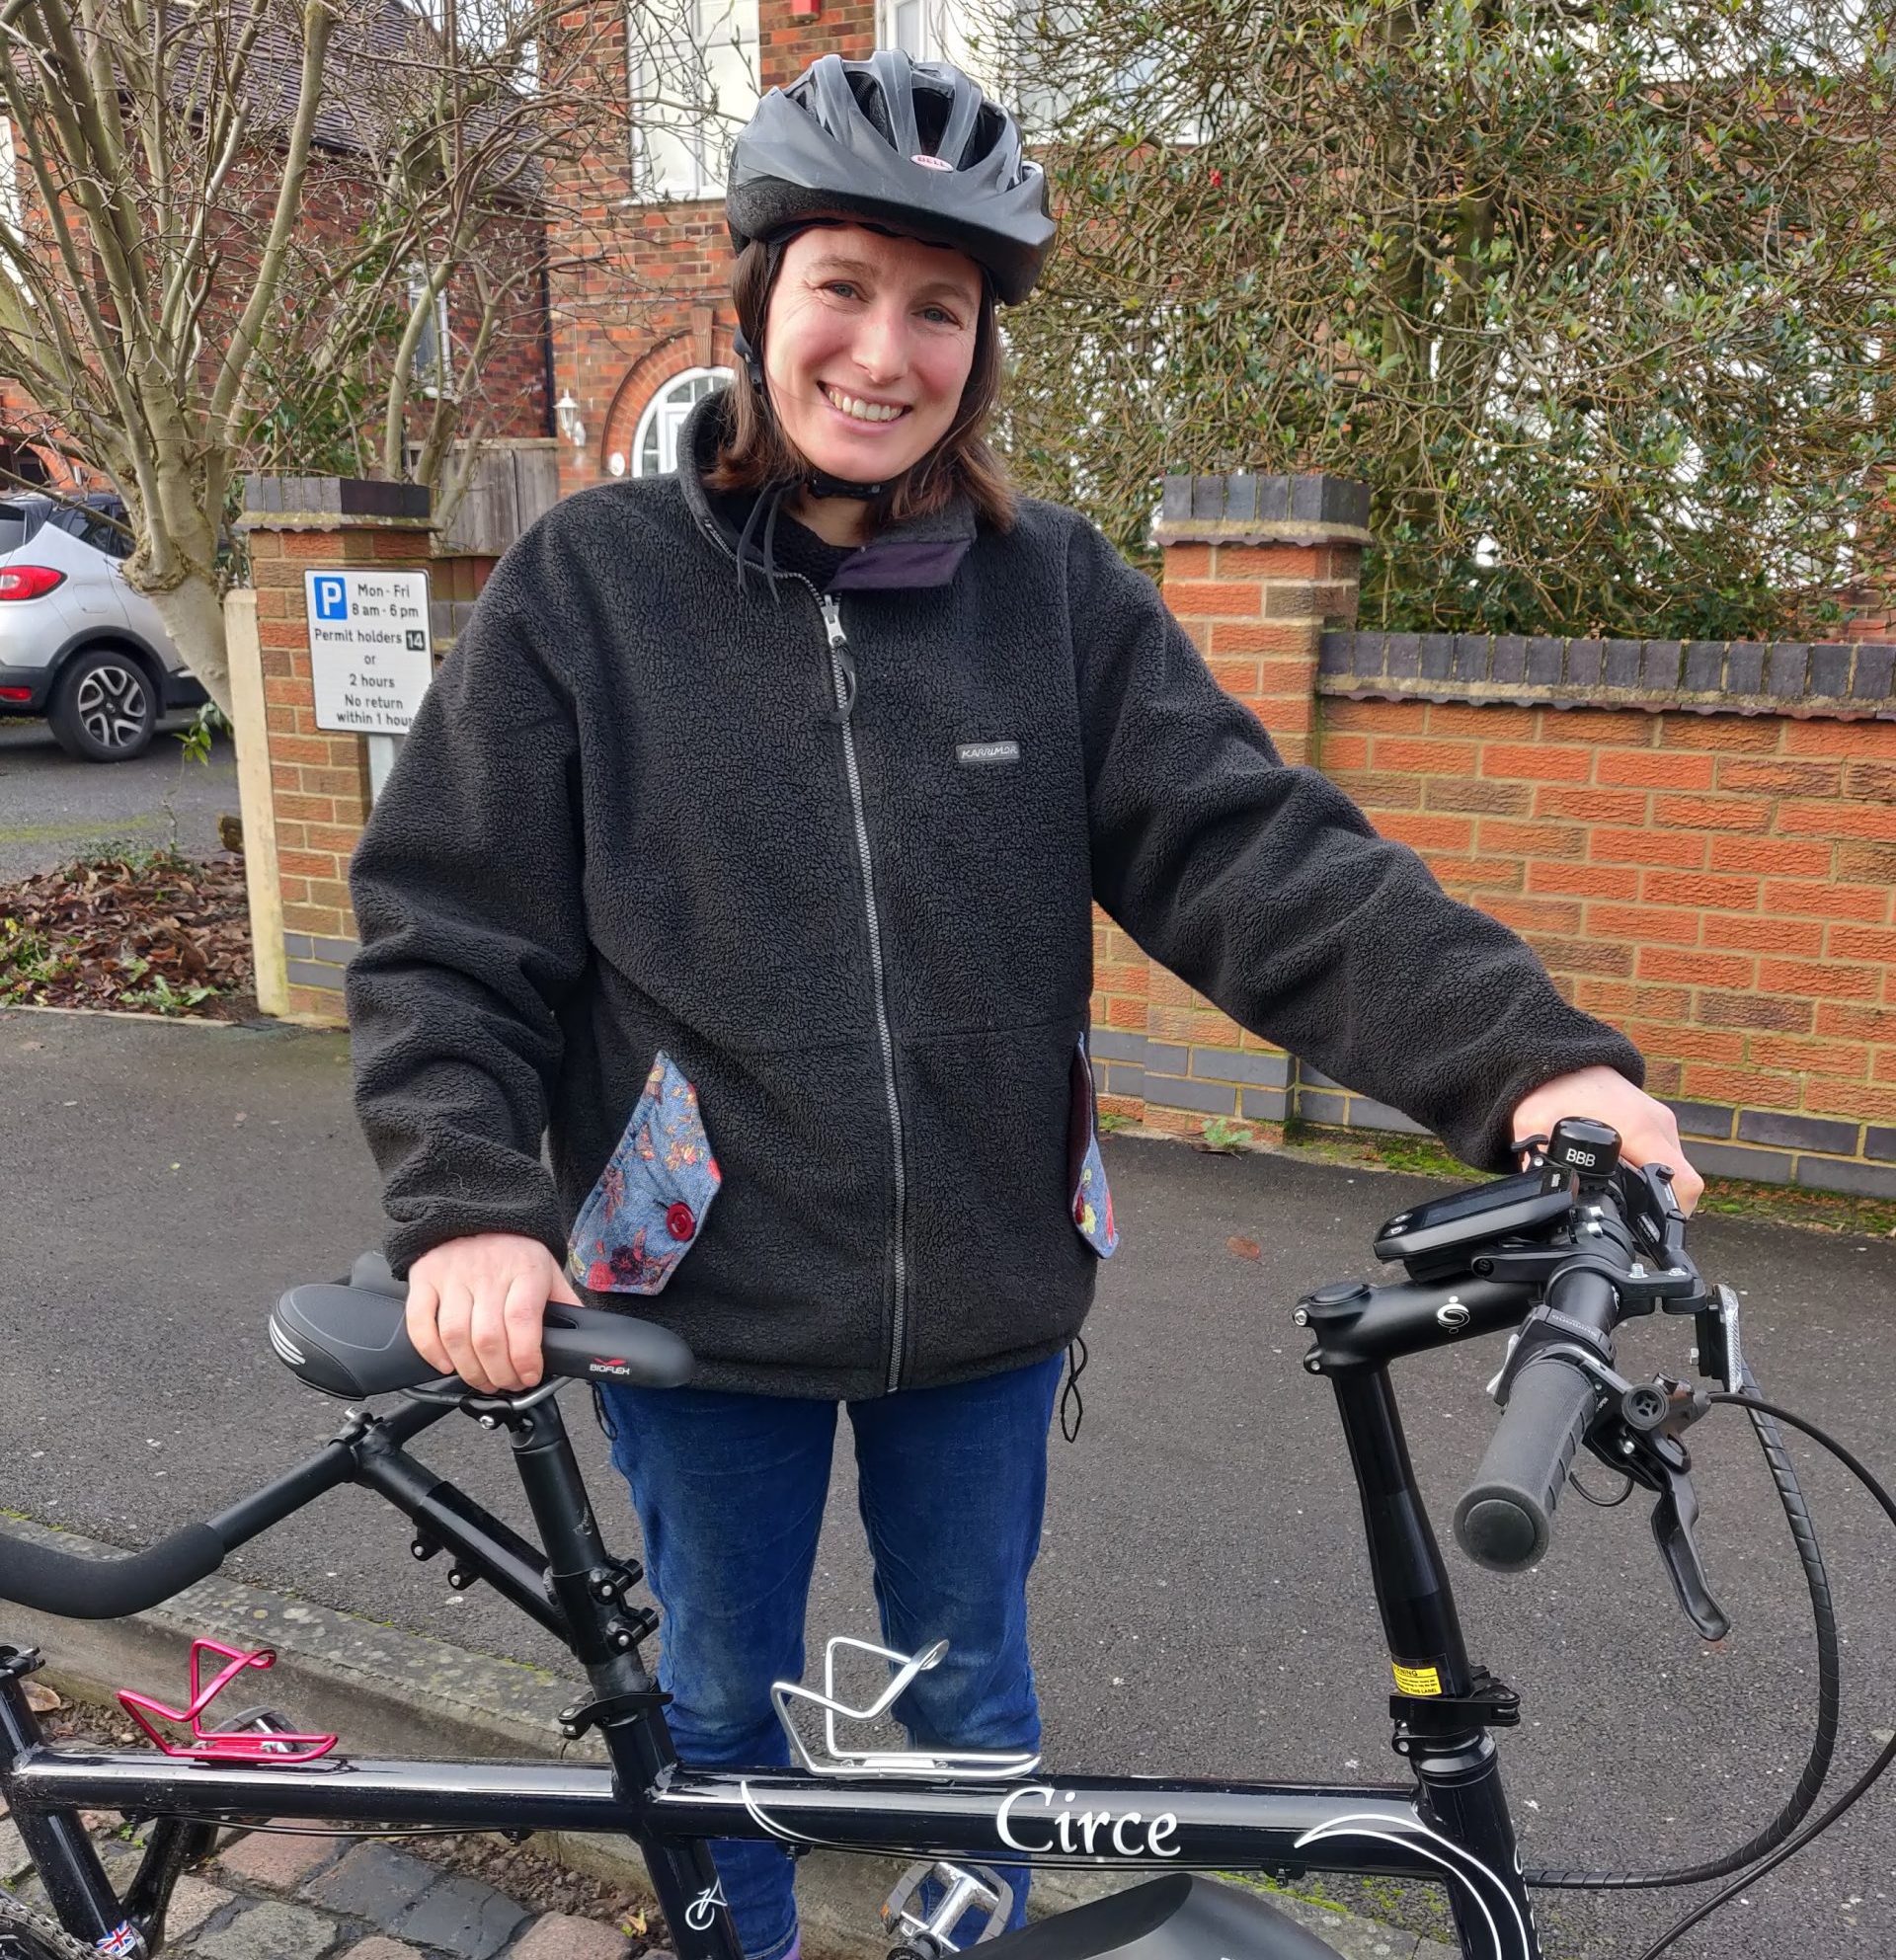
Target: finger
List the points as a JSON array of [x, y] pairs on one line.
[[419, 1323], [487, 1331], [562, 1288], [455, 1322], [522, 1314]]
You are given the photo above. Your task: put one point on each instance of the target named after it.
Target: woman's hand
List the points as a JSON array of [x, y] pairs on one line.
[[475, 1308], [1648, 1130]]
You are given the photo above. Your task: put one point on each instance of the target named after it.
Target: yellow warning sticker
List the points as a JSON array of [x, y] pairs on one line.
[[1416, 1680]]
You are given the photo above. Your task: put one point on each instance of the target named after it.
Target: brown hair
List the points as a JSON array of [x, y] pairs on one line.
[[756, 453]]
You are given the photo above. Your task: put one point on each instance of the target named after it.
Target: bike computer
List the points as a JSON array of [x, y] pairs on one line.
[[1432, 1238]]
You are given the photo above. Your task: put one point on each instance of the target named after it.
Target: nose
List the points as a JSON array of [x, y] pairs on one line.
[[881, 351]]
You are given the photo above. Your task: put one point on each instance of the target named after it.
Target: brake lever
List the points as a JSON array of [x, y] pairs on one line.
[[1673, 1518], [1637, 1433]]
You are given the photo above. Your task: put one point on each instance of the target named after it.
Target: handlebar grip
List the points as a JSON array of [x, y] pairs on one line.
[[56, 1582], [1505, 1519]]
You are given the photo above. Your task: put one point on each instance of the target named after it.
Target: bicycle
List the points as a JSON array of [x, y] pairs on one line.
[[1562, 1252]]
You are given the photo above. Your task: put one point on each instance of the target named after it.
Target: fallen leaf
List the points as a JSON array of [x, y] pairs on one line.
[[1243, 1248], [40, 1698]]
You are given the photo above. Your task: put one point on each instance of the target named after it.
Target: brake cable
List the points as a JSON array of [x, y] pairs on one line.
[[1829, 1681], [1757, 1406]]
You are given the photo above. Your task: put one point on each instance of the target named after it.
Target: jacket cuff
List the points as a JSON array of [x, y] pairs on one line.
[[531, 1218], [1489, 1146]]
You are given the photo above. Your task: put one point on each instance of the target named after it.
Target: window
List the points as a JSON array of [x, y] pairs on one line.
[[103, 526], [694, 86], [433, 346], [924, 30], [654, 449], [11, 215]]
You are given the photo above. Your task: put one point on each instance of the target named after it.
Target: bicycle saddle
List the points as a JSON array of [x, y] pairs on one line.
[[1180, 1917], [349, 1340]]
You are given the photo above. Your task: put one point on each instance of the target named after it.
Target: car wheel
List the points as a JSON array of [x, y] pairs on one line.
[[103, 707]]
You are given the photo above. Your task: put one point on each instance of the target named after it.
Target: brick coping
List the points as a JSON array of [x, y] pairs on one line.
[[1842, 680]]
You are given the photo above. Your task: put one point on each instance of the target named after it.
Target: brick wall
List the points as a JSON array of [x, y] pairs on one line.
[[306, 789], [1698, 840]]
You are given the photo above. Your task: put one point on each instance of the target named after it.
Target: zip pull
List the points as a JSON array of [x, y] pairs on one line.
[[843, 674], [842, 666]]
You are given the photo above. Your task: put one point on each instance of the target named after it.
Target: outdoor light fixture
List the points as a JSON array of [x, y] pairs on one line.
[[566, 412]]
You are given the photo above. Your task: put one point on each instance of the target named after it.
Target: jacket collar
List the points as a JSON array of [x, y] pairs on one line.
[[919, 550]]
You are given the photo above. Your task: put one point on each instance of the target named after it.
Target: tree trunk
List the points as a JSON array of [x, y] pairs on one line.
[[193, 614]]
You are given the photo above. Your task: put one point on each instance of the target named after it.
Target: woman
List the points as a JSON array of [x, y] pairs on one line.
[[747, 848]]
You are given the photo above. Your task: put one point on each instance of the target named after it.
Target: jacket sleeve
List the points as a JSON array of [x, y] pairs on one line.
[[466, 886], [1267, 890]]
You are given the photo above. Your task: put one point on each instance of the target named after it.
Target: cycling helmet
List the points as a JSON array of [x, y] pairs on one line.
[[911, 147]]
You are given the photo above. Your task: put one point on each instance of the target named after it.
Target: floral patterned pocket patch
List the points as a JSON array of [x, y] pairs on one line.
[[1092, 1201], [648, 1204]]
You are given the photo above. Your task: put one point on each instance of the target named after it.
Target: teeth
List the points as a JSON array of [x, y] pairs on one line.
[[862, 411]]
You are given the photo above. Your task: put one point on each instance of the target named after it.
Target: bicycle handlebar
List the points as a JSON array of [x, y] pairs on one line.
[[1505, 1519], [55, 1582]]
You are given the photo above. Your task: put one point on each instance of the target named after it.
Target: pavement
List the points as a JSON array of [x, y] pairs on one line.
[[53, 808], [283, 1896], [1200, 1605]]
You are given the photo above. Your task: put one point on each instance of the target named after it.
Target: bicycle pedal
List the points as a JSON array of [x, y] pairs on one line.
[[964, 1889]]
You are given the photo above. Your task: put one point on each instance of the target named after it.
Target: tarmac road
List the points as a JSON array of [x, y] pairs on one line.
[[53, 808], [1202, 1603]]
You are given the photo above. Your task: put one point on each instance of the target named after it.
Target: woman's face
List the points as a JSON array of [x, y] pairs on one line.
[[859, 321]]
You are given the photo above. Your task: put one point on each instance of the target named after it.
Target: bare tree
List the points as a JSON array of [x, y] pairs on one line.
[[295, 234], [143, 141]]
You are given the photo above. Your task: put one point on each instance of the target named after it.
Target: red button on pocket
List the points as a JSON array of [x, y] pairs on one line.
[[678, 1222]]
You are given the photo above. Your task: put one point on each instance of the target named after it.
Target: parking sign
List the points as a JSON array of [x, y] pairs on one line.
[[369, 653]]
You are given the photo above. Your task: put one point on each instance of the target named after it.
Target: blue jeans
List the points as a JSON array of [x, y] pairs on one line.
[[729, 1491]]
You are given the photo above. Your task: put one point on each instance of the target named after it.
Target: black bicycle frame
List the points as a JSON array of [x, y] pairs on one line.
[[1451, 1824]]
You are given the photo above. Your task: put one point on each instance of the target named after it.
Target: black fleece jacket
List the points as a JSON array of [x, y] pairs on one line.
[[640, 884]]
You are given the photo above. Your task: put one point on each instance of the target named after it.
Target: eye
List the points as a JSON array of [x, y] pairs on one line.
[[946, 318], [839, 285]]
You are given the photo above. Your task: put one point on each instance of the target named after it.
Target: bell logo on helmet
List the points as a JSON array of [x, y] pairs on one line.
[[932, 163]]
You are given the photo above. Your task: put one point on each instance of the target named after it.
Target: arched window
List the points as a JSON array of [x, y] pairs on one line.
[[655, 448]]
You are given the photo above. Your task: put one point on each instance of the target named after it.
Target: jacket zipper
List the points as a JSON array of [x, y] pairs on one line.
[[842, 683]]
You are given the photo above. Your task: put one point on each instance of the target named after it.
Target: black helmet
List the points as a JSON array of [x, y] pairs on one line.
[[915, 147]]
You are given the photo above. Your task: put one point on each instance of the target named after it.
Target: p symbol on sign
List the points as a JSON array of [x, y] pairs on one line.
[[332, 599]]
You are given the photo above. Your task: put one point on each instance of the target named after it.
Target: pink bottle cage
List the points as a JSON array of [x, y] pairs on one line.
[[268, 1746]]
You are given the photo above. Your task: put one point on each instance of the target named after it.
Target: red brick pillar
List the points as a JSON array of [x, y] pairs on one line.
[[1256, 568], [306, 790]]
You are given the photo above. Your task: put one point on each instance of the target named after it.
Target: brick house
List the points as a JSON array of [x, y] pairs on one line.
[[514, 390]]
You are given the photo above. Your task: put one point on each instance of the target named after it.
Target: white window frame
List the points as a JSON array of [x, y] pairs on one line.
[[669, 413], [684, 161], [13, 208], [434, 372], [943, 32]]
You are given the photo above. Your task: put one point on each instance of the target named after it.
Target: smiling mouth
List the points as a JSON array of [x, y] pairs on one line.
[[835, 398]]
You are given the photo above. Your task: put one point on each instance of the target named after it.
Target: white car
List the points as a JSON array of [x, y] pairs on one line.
[[77, 644]]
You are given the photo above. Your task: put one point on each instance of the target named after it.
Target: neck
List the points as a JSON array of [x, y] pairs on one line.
[[838, 520]]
